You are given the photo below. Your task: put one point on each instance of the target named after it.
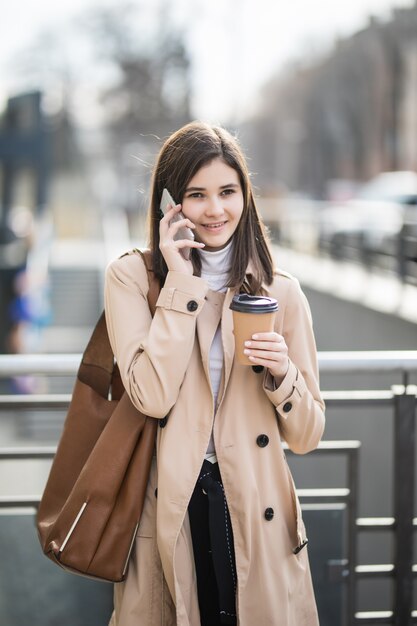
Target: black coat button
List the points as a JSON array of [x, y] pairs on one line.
[[269, 514], [262, 440], [287, 407], [258, 368], [163, 422], [192, 305]]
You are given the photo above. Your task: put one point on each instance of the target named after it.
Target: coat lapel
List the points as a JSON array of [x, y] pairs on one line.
[[207, 323], [228, 340]]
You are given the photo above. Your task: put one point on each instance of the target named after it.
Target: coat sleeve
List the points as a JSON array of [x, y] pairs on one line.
[[298, 400], [152, 354]]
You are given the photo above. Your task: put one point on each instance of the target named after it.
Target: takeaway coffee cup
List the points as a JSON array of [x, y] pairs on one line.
[[251, 314]]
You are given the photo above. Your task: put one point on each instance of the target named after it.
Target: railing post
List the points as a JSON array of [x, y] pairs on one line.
[[404, 457], [401, 255], [353, 483]]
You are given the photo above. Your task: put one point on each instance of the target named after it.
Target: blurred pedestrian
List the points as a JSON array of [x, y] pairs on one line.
[[221, 538]]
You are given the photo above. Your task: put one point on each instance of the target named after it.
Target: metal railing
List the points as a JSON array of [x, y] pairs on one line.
[[396, 254], [402, 399]]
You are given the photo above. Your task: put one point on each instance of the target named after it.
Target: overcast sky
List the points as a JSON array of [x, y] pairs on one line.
[[236, 44]]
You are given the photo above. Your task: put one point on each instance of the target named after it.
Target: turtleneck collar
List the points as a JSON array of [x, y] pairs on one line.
[[217, 261], [216, 266]]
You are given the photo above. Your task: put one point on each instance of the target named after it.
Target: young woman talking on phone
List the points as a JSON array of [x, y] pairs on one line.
[[221, 538]]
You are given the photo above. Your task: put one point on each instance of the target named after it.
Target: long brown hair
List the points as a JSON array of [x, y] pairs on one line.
[[182, 155]]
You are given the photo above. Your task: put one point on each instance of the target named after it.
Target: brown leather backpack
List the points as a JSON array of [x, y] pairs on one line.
[[91, 506]]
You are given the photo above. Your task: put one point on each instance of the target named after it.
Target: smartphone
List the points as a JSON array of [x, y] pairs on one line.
[[183, 233]]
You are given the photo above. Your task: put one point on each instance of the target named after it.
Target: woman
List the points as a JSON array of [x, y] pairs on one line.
[[221, 539]]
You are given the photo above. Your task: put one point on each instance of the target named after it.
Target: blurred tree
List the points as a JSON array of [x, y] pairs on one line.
[[146, 95], [152, 91]]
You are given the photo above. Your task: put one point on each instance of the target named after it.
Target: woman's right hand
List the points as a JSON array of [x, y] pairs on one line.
[[171, 248]]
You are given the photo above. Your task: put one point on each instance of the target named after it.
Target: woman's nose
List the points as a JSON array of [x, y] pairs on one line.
[[214, 207]]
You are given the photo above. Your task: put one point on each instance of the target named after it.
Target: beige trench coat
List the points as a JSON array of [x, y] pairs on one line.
[[164, 364]]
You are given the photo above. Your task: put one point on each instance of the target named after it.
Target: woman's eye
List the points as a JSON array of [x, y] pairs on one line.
[[227, 192], [196, 194]]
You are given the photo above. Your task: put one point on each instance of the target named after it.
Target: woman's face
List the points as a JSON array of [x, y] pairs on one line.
[[213, 201]]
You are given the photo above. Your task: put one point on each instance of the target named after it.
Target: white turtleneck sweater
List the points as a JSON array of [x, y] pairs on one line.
[[215, 269]]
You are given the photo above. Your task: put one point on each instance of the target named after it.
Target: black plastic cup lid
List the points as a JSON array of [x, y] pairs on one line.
[[244, 303]]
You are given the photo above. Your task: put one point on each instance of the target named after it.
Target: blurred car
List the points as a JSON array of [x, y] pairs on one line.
[[371, 223]]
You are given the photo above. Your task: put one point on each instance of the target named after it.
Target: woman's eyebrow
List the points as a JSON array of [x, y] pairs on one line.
[[195, 189], [203, 188]]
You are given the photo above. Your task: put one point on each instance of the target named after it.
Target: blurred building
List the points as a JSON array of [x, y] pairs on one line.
[[347, 116]]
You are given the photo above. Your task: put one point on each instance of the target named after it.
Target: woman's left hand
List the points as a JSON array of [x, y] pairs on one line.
[[271, 351]]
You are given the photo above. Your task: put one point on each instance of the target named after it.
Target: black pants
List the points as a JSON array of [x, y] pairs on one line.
[[214, 555]]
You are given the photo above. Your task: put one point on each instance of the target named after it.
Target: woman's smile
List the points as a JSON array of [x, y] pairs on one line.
[[215, 227]]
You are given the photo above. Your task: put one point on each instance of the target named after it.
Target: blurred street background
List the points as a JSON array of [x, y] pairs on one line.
[[323, 98]]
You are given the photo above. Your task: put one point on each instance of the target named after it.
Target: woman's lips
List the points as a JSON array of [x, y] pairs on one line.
[[216, 226]]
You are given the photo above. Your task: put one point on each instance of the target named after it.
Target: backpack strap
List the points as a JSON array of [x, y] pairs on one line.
[[97, 368], [154, 286]]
